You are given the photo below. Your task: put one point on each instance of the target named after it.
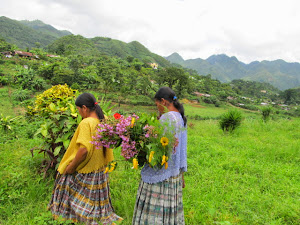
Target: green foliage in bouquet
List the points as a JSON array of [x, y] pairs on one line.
[[159, 141], [56, 106]]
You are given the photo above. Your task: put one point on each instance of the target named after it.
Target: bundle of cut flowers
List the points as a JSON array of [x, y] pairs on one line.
[[139, 138]]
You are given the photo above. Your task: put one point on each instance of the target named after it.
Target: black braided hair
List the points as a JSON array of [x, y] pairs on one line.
[[169, 95]]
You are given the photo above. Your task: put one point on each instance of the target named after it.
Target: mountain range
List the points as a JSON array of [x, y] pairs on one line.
[[29, 34], [279, 73]]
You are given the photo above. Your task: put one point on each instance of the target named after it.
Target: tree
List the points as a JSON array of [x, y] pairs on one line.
[[289, 96], [37, 44], [107, 71]]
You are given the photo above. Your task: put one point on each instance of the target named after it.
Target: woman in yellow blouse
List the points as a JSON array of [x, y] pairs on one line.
[[81, 191]]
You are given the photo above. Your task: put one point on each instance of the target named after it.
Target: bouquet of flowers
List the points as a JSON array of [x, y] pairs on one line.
[[140, 138]]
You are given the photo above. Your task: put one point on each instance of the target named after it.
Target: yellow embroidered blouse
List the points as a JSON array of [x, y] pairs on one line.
[[82, 138]]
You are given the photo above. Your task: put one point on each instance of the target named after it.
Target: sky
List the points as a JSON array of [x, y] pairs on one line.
[[247, 29]]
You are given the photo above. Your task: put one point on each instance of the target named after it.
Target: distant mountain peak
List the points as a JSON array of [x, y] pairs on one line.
[[219, 56], [175, 58], [175, 54], [218, 59]]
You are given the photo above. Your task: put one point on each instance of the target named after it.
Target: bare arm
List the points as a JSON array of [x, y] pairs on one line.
[[79, 158]]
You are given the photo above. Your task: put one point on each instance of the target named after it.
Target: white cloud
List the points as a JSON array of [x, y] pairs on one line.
[[249, 30]]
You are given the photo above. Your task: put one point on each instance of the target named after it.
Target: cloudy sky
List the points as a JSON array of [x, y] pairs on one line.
[[248, 29]]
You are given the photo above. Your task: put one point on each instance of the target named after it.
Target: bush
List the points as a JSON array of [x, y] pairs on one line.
[[57, 95], [199, 117], [27, 79], [6, 122], [266, 112], [217, 103], [75, 86], [140, 100], [230, 120], [250, 107], [212, 100], [21, 95], [3, 80], [8, 125]]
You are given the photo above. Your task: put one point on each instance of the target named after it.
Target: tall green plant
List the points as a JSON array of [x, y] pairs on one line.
[[6, 122], [106, 106], [27, 79], [230, 120], [266, 113], [21, 94]]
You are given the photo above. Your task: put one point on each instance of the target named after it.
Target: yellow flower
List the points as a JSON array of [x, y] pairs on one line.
[[111, 169], [151, 156], [164, 141], [106, 170], [135, 163], [166, 165], [163, 160], [132, 122]]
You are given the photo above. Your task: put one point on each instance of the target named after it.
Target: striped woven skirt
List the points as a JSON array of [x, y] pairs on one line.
[[83, 198], [159, 203]]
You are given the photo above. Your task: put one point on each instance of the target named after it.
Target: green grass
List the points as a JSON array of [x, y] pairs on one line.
[[6, 107], [211, 112], [248, 177]]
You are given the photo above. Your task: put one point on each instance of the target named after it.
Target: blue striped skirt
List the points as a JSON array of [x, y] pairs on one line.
[[159, 203], [83, 198]]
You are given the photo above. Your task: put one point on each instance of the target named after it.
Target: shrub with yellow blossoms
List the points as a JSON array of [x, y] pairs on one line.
[[55, 99]]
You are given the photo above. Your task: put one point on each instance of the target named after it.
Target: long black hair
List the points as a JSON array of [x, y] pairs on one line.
[[169, 95], [90, 102]]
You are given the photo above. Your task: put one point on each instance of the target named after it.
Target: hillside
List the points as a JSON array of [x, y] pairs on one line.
[[121, 49], [76, 44], [73, 45], [279, 73], [28, 34], [45, 28]]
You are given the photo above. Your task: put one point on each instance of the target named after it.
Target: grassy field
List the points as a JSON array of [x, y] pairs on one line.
[[248, 177]]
